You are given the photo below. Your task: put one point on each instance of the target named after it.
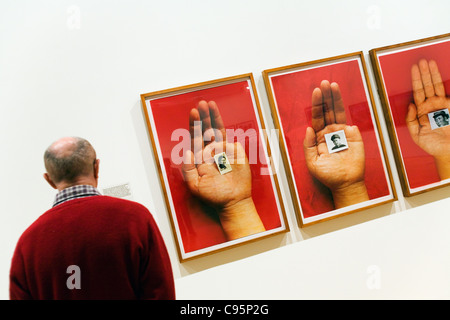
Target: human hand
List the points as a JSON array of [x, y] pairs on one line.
[[229, 193], [429, 96], [342, 172]]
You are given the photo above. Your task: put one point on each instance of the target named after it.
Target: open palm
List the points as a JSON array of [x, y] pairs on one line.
[[219, 190], [340, 169], [429, 96], [229, 193], [201, 174]]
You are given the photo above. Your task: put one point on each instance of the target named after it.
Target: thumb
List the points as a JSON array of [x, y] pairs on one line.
[[310, 145], [412, 122], [190, 172]]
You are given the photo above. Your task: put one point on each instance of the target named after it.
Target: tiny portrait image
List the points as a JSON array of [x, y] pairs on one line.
[[222, 163], [214, 162], [414, 82], [439, 119], [328, 124], [336, 141]]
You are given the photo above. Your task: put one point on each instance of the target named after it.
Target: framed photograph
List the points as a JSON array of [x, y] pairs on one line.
[[331, 145], [414, 86], [215, 165]]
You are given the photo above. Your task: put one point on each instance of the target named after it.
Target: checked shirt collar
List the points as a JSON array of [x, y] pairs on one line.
[[75, 192]]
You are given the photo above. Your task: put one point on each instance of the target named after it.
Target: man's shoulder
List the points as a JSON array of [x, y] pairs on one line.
[[119, 212], [117, 201], [98, 200], [97, 204], [117, 204]]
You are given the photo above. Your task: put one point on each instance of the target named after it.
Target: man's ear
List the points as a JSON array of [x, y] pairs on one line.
[[50, 182], [96, 168]]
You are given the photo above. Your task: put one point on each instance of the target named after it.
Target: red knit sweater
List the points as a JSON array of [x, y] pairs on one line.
[[115, 243]]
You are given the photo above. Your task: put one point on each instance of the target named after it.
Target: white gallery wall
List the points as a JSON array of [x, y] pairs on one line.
[[77, 68]]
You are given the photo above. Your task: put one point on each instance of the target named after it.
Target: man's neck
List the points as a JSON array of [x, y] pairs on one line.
[[81, 181]]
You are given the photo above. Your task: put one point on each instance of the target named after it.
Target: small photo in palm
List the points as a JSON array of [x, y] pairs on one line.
[[336, 141], [439, 118], [222, 163]]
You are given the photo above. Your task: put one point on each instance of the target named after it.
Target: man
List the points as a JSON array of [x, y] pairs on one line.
[[89, 246], [222, 162], [337, 142], [441, 118]]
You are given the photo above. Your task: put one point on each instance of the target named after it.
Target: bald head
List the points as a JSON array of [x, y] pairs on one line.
[[70, 159]]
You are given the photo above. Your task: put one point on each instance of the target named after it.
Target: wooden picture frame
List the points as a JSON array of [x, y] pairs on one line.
[[409, 110], [209, 206], [297, 91]]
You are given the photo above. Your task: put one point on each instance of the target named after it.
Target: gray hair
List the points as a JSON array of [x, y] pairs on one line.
[[75, 161]]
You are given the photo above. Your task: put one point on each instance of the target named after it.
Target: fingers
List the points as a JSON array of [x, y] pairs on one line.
[[339, 109], [426, 78], [327, 106], [418, 91], [328, 103], [205, 126], [439, 88], [318, 121], [213, 128], [195, 130], [412, 122], [216, 120], [426, 81], [203, 110]]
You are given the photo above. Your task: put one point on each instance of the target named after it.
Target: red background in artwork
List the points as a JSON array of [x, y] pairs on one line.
[[199, 226], [396, 69], [293, 94]]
